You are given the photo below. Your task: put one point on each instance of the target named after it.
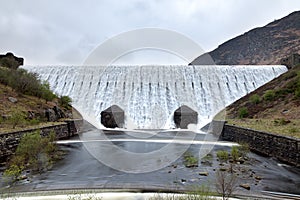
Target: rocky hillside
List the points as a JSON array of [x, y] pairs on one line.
[[264, 45]]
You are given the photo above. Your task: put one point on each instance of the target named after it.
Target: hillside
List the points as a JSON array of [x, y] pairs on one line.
[[274, 107], [26, 101], [264, 45]]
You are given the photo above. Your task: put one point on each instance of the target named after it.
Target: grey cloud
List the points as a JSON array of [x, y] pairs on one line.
[[66, 31]]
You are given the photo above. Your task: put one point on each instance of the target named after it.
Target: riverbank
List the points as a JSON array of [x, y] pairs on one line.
[[10, 140], [286, 149]]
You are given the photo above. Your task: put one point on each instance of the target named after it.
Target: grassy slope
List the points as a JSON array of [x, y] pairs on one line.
[[25, 103], [280, 115]]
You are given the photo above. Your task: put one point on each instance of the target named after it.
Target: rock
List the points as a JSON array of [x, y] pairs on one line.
[[203, 173], [169, 172], [223, 169], [174, 166], [12, 99], [54, 114], [241, 160], [206, 162], [23, 177], [245, 186], [257, 178], [191, 165]]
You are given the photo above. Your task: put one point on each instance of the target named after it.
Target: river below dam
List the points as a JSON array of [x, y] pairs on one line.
[[82, 169]]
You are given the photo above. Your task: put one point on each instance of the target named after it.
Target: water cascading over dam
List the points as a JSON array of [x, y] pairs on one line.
[[149, 95]]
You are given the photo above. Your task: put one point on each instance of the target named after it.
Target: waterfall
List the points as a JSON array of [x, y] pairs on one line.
[[150, 94]]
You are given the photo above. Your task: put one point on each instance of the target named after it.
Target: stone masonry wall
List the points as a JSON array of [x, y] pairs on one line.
[[284, 148], [10, 141]]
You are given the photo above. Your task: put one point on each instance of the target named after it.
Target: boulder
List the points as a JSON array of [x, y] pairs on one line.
[[12, 99], [112, 117], [184, 116], [203, 173], [245, 186]]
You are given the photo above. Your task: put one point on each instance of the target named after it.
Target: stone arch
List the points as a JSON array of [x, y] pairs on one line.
[[184, 115], [113, 117]]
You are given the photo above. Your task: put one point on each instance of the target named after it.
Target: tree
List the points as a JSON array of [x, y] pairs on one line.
[[226, 183]]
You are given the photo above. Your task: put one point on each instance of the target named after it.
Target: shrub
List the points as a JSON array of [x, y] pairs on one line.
[[9, 63], [255, 99], [222, 156], [243, 149], [26, 83], [65, 101], [235, 153], [190, 160], [17, 118], [46, 93], [33, 152], [243, 112], [269, 95]]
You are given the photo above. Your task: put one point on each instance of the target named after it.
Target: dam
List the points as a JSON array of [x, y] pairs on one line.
[[149, 95]]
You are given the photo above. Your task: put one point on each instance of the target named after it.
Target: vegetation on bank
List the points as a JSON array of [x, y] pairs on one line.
[[32, 98], [26, 83], [34, 153], [272, 108]]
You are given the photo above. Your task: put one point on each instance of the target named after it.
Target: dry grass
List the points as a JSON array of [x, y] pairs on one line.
[[7, 128], [291, 129]]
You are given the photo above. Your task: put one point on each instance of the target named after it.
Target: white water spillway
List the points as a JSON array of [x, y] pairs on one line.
[[149, 95]]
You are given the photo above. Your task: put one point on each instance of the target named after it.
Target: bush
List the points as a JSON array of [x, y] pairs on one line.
[[243, 149], [255, 99], [269, 95], [65, 101], [46, 93], [26, 83], [17, 118], [190, 160], [235, 153], [222, 156], [9, 63], [243, 112], [34, 152]]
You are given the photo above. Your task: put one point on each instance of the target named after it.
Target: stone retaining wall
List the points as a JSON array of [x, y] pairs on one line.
[[284, 148], [10, 141]]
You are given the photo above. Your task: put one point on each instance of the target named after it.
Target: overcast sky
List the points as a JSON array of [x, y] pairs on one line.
[[64, 32]]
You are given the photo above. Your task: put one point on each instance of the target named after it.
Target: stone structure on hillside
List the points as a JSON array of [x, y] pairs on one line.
[[291, 61], [10, 61], [112, 117], [184, 116]]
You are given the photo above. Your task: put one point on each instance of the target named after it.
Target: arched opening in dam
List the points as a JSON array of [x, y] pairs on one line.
[[149, 95]]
